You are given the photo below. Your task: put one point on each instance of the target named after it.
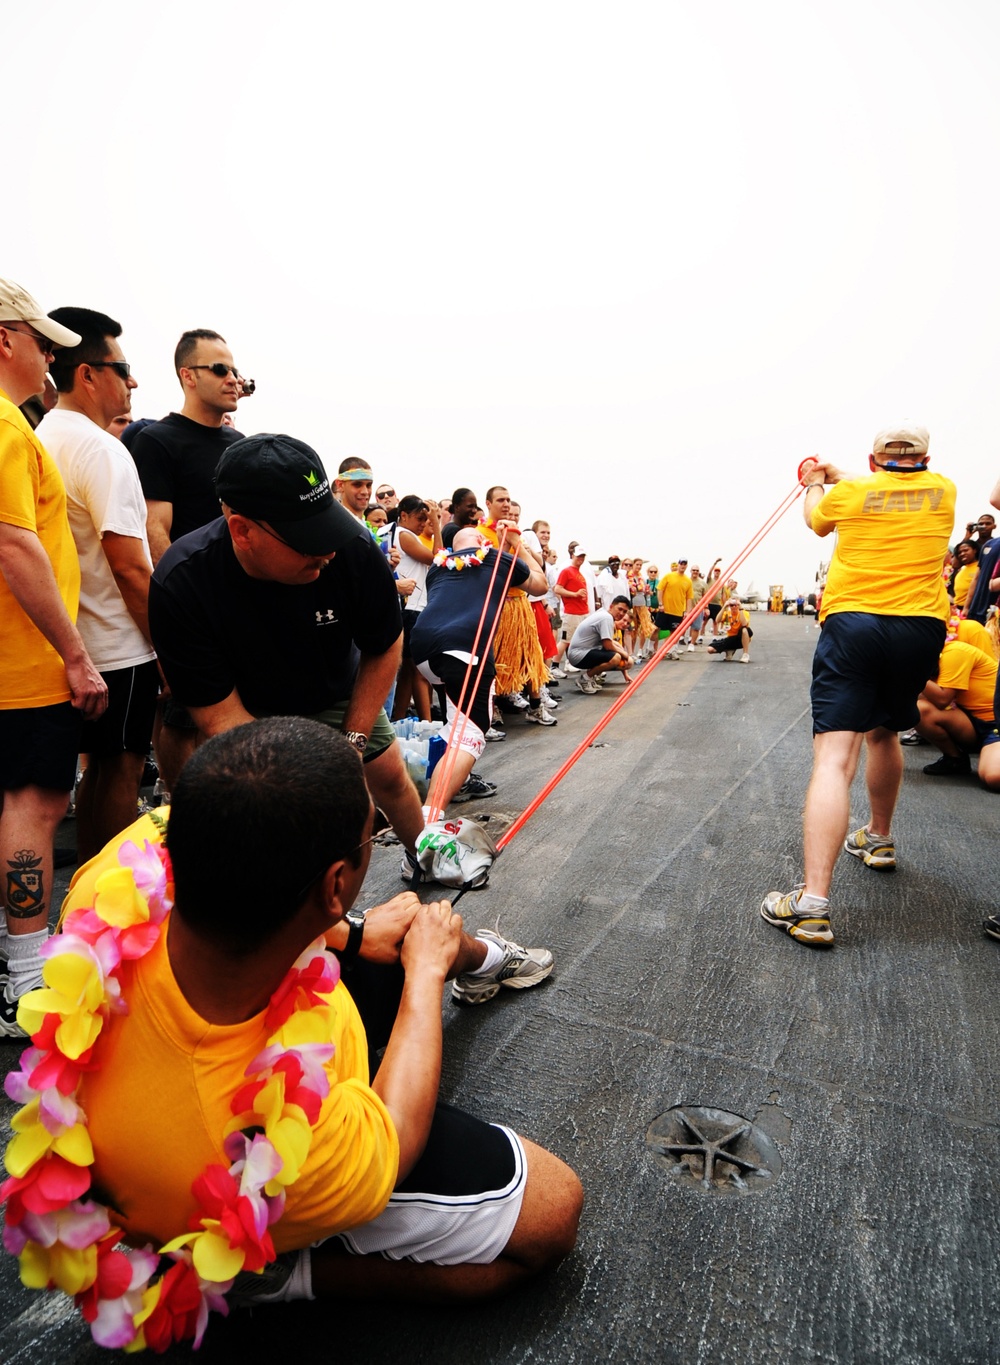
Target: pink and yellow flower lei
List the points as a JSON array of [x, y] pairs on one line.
[[445, 560], [69, 1242]]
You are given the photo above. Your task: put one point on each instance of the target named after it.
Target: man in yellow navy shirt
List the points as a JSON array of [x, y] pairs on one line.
[[883, 614], [957, 715], [48, 683], [674, 594]]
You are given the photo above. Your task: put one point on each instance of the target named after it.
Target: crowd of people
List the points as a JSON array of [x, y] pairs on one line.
[[173, 583]]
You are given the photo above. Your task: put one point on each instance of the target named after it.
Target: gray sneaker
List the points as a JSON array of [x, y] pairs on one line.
[[9, 1027], [520, 968]]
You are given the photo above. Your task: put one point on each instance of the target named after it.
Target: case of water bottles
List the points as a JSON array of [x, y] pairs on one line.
[[422, 747]]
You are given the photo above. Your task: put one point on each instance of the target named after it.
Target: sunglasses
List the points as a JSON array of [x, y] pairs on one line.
[[386, 493], [43, 343], [218, 369], [121, 367]]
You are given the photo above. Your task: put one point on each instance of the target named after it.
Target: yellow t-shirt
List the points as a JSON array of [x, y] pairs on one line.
[[892, 537], [972, 633], [673, 593], [158, 1105], [963, 578], [510, 545], [972, 674], [33, 497]]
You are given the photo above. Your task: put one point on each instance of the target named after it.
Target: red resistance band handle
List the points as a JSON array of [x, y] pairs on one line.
[[806, 464]]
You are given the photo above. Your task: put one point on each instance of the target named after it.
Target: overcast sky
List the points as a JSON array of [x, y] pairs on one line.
[[633, 260]]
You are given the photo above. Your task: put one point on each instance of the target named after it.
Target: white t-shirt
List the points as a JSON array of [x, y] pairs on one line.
[[609, 587], [103, 494], [408, 567], [531, 543]]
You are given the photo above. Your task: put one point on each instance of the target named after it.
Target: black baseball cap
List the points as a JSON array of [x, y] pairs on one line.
[[282, 481]]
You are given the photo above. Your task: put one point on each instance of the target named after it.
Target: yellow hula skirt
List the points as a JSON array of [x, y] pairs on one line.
[[644, 622], [516, 650]]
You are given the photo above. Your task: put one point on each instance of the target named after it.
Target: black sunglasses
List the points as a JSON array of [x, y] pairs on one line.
[[386, 493], [121, 367], [43, 343], [218, 369]]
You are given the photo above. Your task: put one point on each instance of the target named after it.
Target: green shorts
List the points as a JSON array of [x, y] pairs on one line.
[[381, 736]]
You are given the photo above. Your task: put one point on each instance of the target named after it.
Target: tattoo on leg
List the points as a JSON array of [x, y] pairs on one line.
[[25, 889]]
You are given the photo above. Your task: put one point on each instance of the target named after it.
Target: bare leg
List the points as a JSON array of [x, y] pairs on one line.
[[28, 825], [883, 777], [828, 805], [437, 796], [391, 788], [544, 1235], [946, 730], [106, 800], [745, 641], [173, 749]]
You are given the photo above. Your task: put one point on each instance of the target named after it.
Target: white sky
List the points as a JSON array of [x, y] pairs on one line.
[[633, 260]]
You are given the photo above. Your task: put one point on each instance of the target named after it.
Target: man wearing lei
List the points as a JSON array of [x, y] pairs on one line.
[[198, 1085]]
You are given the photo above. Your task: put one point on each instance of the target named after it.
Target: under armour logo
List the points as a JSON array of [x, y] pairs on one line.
[[326, 618]]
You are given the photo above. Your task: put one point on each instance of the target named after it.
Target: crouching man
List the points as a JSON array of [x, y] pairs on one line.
[[387, 1193], [957, 713]]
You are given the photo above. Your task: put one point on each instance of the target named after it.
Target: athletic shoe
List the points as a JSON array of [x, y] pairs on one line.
[[874, 850], [557, 672], [948, 766], [538, 715], [600, 679], [586, 685], [673, 654], [911, 737], [700, 640], [547, 700], [744, 658], [520, 968], [518, 702], [811, 927], [475, 788], [410, 869], [690, 649], [992, 926], [494, 734], [9, 1027]]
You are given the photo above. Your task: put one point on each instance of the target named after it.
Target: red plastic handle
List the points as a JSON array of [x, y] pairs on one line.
[[810, 459]]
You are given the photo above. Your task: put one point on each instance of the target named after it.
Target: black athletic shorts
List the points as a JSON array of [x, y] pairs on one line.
[[38, 747], [593, 658], [127, 725], [410, 618], [452, 672], [869, 670], [665, 621], [729, 644]]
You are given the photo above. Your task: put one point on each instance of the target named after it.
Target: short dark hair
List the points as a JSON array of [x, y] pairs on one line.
[[491, 491], [94, 330], [258, 815], [188, 344], [623, 600], [353, 462], [411, 503], [971, 544], [461, 493]]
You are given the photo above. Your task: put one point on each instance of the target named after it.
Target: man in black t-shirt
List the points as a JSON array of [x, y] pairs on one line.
[[176, 458], [285, 606]]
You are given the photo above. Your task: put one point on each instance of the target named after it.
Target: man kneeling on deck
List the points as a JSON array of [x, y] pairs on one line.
[[387, 1193], [957, 714]]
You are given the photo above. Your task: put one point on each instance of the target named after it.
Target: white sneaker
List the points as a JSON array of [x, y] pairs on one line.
[[517, 701], [744, 658], [586, 685], [537, 715], [547, 699], [518, 969], [690, 649]]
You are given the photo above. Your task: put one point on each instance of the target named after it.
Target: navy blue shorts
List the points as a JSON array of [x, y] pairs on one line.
[[592, 659], [38, 747], [869, 670]]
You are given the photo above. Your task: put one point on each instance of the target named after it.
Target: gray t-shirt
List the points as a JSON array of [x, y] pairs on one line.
[[590, 634]]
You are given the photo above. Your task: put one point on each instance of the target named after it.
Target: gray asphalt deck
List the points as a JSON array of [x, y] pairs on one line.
[[873, 1066]]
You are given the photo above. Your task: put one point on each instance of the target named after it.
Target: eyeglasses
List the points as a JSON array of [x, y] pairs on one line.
[[218, 369], [121, 367], [386, 493], [43, 343]]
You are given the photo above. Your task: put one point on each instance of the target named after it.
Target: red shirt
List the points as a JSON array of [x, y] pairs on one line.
[[573, 580]]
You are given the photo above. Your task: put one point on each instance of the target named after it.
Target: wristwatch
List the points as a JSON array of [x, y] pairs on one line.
[[358, 739], [355, 933]]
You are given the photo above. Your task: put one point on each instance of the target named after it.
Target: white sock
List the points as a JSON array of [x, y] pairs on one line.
[[3, 937], [494, 956], [425, 811], [24, 964], [813, 902]]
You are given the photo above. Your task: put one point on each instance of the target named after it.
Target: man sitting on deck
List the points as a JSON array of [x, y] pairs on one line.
[[390, 1194]]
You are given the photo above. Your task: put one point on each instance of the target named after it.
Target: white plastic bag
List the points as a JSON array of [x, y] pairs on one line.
[[456, 853]]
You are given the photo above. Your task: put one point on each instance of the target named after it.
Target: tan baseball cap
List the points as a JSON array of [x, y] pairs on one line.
[[17, 305], [915, 436]]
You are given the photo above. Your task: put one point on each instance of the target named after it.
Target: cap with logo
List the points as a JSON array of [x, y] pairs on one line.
[[17, 305], [282, 481]]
